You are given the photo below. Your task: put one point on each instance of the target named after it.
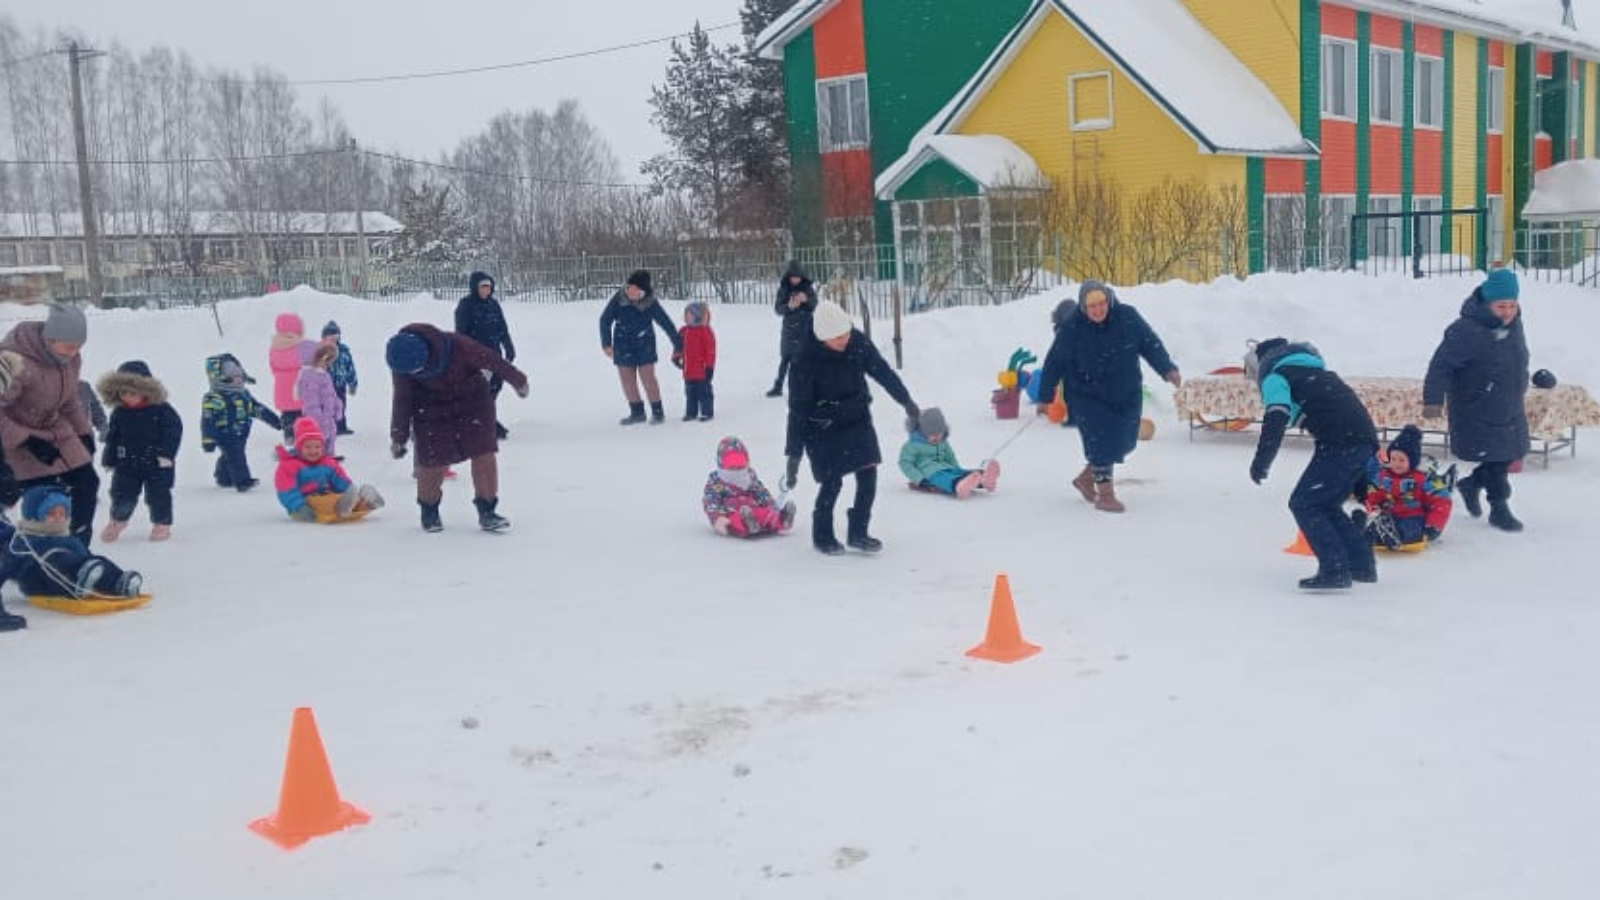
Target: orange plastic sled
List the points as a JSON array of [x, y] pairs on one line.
[[88, 606]]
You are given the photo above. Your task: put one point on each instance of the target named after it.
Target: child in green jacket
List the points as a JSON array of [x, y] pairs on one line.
[[928, 460]]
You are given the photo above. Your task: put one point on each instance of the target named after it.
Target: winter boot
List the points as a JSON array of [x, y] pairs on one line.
[[112, 531], [822, 536], [1327, 580], [88, 576], [500, 432], [160, 532], [369, 497], [1471, 495], [130, 584], [857, 536], [346, 504], [488, 519], [968, 484], [657, 414], [430, 517], [11, 621], [1085, 483], [635, 414], [991, 475], [752, 525], [1500, 517], [786, 516], [1105, 497]]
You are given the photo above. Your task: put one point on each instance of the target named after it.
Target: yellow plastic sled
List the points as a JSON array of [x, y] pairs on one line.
[[326, 508], [88, 606], [1417, 547]]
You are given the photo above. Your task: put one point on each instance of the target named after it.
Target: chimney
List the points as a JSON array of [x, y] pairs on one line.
[[1566, 15]]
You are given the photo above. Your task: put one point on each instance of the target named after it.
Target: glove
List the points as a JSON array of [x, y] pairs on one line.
[[1258, 471], [398, 451], [42, 450], [88, 443], [606, 351], [522, 390], [913, 414], [791, 474], [1175, 378], [709, 370], [304, 514], [1432, 411], [677, 358], [1431, 534], [208, 446], [351, 391]]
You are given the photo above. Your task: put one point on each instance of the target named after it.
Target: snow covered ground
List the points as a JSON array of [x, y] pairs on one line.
[[663, 713]]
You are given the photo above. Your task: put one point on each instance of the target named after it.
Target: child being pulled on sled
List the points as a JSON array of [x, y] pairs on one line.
[[313, 486], [735, 500], [1404, 504], [930, 463], [44, 559]]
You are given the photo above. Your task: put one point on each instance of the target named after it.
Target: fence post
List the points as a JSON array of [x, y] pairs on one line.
[[897, 304], [1416, 246]]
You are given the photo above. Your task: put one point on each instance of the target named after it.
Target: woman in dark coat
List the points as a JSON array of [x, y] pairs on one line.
[[627, 338], [830, 420], [442, 399], [1096, 352], [1479, 374], [479, 316], [797, 300]]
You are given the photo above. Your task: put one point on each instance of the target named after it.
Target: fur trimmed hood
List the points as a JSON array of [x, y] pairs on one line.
[[112, 385]]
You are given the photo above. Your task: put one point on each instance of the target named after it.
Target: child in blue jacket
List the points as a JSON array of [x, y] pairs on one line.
[[226, 414], [929, 462], [343, 372], [44, 559]]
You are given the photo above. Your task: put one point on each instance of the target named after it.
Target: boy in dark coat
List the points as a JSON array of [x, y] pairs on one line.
[[698, 360], [627, 339], [441, 397], [1479, 374], [226, 414], [830, 420], [479, 316], [141, 447], [343, 373], [44, 559], [1297, 389], [797, 300]]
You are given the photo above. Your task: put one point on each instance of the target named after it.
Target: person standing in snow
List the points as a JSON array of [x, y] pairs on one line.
[[797, 300], [1479, 376], [830, 420], [628, 341], [141, 448], [283, 358], [345, 381], [479, 316], [1096, 352], [318, 398], [227, 412], [1298, 389], [698, 360]]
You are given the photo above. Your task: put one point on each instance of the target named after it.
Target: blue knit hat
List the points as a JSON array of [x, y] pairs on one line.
[[1500, 285], [407, 353], [1409, 442], [37, 502], [331, 329]]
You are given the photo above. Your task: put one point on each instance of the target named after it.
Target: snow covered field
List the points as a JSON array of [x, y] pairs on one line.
[[663, 713]]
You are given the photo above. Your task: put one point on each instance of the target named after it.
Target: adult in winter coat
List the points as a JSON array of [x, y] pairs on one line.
[[442, 399], [479, 316], [1096, 352], [44, 429], [1298, 389], [141, 448], [830, 420], [627, 339], [1479, 374], [797, 300], [283, 358]]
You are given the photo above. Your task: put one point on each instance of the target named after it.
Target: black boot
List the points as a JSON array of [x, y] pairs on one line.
[[488, 519], [857, 537], [1327, 580], [1471, 495], [430, 517], [500, 432], [11, 622], [1500, 517], [657, 414], [635, 414], [822, 536]]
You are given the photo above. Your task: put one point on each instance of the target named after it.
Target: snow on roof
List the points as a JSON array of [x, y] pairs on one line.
[[8, 271], [124, 225], [991, 161], [785, 28], [1521, 21], [1565, 192]]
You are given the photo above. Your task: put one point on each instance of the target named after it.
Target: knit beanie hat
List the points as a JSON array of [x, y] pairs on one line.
[[289, 323], [1500, 285], [1409, 442], [930, 422], [829, 321], [306, 429], [38, 501], [697, 313], [731, 454], [406, 353], [135, 367], [65, 324], [640, 279], [331, 329]]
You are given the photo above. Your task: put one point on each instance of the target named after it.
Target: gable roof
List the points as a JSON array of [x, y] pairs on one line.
[[989, 160], [1566, 192], [1178, 64], [785, 28]]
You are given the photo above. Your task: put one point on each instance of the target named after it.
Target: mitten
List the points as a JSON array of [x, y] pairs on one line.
[[42, 450], [208, 446], [1175, 378], [913, 414], [1431, 534], [791, 474], [398, 451], [709, 371], [522, 390], [677, 358]]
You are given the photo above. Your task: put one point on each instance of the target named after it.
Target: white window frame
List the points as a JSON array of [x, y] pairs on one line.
[[1346, 93], [1430, 100], [1495, 226], [1105, 124], [1540, 85], [1383, 235], [1396, 86], [1574, 111], [1496, 91], [9, 254], [1333, 214], [1433, 243], [852, 85]]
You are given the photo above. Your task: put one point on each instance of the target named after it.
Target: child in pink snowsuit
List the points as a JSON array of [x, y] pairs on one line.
[[319, 401], [736, 501], [284, 360]]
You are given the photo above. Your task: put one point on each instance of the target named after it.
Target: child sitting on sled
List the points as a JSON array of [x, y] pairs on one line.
[[44, 559], [1405, 506], [313, 486], [930, 463], [735, 500]]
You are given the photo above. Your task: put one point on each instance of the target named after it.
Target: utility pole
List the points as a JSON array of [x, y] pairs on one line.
[[361, 202], [80, 136]]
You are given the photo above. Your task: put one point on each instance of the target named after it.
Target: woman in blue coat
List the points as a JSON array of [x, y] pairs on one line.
[[1096, 354], [627, 338]]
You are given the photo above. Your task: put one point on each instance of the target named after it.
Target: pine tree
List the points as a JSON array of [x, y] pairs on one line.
[[761, 142], [698, 112], [436, 230]]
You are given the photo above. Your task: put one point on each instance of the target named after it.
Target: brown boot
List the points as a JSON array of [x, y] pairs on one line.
[[1105, 497], [1085, 483]]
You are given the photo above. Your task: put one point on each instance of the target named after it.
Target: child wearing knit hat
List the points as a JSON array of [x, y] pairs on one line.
[[735, 500], [1405, 505], [313, 486], [343, 373], [930, 463]]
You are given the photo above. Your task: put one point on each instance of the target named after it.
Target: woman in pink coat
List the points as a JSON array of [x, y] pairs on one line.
[[318, 399], [284, 359]]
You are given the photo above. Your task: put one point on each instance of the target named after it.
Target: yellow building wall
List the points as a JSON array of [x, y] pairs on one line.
[[1508, 155], [1262, 34], [1142, 148], [1590, 81], [1464, 137]]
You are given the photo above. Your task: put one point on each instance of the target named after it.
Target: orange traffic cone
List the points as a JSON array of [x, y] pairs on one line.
[[309, 804], [1057, 410], [1003, 643], [1299, 547]]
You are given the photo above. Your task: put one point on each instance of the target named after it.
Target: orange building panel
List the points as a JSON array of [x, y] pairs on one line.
[[1338, 156], [1497, 54], [1543, 153], [840, 40], [1545, 65], [1385, 160], [847, 184], [1338, 21], [1427, 162], [1387, 32], [1286, 176], [1429, 40], [1495, 163]]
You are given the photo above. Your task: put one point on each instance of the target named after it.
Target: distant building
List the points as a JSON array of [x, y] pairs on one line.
[[28, 284]]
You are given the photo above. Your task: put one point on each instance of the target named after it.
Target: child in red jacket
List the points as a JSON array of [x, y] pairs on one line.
[[697, 359], [1404, 505]]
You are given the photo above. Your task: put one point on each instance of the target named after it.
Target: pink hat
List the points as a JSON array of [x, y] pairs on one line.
[[289, 323], [305, 429]]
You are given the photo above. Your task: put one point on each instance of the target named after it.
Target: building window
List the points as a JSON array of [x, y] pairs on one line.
[[1540, 85], [1335, 229], [36, 254], [1574, 111], [1430, 92], [72, 253], [1285, 233], [1497, 100], [1338, 78], [1388, 86], [1429, 228], [1089, 106], [842, 120], [126, 251], [1497, 230], [223, 249], [1383, 231], [8, 254]]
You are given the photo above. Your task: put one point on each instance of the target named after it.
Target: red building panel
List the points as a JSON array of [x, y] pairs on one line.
[[840, 40], [1429, 40], [1427, 162], [1385, 160], [1338, 21], [1497, 54], [1545, 65], [1286, 176], [1387, 32], [847, 184], [1495, 162], [1338, 156], [1543, 153]]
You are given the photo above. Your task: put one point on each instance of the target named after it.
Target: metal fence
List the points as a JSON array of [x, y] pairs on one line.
[[1562, 253]]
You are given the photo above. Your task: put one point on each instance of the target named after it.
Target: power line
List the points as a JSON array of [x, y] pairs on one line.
[[265, 157], [506, 175]]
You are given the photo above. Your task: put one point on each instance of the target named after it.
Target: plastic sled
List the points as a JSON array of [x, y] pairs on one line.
[[324, 505], [923, 488], [1417, 547], [88, 606]]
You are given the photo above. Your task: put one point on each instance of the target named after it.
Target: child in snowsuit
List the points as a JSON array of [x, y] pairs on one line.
[[91, 405], [283, 357], [1403, 504], [736, 501], [343, 372], [141, 446], [697, 359], [44, 559], [226, 414], [313, 486], [318, 399], [929, 462]]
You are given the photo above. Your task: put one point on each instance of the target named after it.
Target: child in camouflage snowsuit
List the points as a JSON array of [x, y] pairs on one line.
[[226, 414], [735, 500]]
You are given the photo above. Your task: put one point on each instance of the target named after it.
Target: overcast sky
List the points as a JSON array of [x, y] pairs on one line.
[[310, 39]]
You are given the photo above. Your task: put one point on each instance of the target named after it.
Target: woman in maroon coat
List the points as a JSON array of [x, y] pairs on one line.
[[442, 398]]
